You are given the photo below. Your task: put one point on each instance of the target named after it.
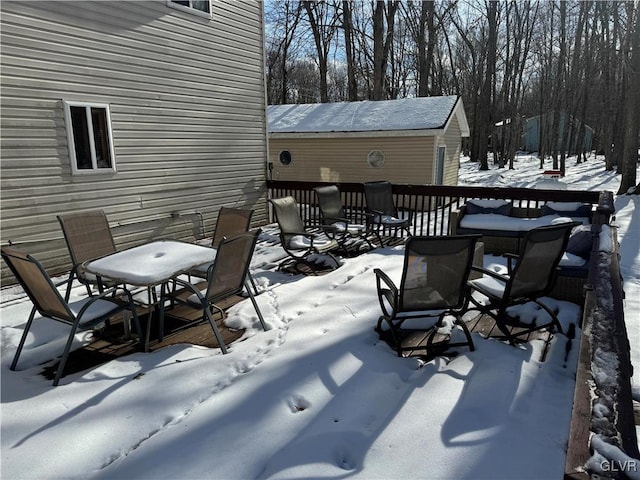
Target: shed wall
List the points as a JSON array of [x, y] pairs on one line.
[[453, 142], [407, 159], [187, 103]]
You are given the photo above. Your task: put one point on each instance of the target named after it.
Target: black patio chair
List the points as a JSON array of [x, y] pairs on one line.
[[530, 276], [433, 287], [384, 214], [335, 222], [80, 315], [301, 245]]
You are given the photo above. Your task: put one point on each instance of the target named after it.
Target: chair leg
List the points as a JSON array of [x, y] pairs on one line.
[[65, 355], [72, 275], [253, 284], [214, 327], [465, 329], [377, 233], [257, 309], [554, 318], [23, 339], [502, 325], [136, 320]]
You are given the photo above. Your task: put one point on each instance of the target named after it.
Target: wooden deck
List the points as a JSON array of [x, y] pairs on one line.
[[482, 324], [110, 344], [181, 327], [186, 327]]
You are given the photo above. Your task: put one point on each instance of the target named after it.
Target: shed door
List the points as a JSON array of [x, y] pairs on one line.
[[440, 165]]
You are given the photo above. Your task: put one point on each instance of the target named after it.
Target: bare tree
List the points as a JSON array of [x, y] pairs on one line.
[[479, 145], [323, 21], [568, 62], [632, 116], [350, 53], [519, 24], [384, 14], [284, 22]]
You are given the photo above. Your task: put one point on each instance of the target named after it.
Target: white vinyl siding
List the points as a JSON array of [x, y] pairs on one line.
[[186, 100]]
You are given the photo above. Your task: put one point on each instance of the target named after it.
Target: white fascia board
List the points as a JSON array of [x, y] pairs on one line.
[[458, 111], [372, 134]]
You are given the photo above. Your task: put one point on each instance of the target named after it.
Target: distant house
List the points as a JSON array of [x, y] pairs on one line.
[[152, 111], [534, 126], [410, 140]]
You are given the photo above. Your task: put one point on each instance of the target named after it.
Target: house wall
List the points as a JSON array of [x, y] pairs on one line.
[[187, 100], [532, 127], [408, 160]]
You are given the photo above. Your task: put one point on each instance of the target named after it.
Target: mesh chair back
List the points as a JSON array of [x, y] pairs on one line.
[[330, 203], [228, 273], [231, 221], [435, 272], [535, 271], [87, 234], [37, 285], [379, 197], [288, 217]]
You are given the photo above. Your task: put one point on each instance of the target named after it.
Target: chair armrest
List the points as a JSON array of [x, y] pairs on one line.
[[512, 259], [411, 213], [62, 282], [331, 220], [491, 273], [186, 286], [391, 292], [329, 230]]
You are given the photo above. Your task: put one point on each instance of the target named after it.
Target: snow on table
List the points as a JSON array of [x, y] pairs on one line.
[[151, 263]]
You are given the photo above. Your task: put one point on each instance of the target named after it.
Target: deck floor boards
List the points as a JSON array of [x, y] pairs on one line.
[[185, 326]]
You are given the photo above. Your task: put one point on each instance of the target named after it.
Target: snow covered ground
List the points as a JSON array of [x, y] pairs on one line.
[[316, 396]]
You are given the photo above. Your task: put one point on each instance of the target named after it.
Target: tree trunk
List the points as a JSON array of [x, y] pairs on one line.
[[426, 45], [487, 87], [347, 23], [382, 39], [632, 113], [322, 28]]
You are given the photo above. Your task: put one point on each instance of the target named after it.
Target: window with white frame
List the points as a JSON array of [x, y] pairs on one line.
[[196, 7], [90, 137]]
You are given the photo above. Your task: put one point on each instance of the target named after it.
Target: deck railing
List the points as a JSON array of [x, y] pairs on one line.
[[603, 320], [434, 202]]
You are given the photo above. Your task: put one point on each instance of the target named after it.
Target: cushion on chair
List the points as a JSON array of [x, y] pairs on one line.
[[302, 242], [500, 207], [490, 285], [97, 309], [351, 227], [571, 260], [560, 220], [390, 220], [568, 209], [580, 241]]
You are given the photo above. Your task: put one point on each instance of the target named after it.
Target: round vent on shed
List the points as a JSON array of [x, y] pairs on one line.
[[375, 159], [285, 157]]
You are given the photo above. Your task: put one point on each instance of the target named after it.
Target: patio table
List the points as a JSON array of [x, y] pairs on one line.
[[150, 265]]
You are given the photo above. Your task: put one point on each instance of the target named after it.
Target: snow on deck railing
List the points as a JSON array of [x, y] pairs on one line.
[[603, 441]]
